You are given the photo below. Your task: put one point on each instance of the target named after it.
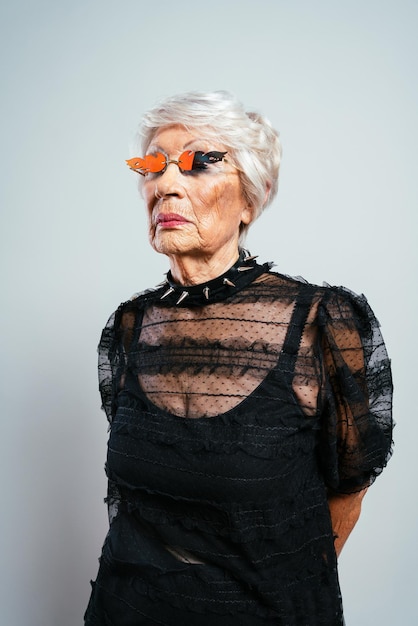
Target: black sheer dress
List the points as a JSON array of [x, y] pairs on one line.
[[232, 420]]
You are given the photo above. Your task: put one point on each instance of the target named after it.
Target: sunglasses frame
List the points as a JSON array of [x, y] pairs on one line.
[[184, 163]]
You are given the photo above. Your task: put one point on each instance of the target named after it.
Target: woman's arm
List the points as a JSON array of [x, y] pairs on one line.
[[345, 510]]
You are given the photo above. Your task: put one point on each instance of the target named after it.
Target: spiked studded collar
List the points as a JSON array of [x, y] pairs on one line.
[[241, 274]]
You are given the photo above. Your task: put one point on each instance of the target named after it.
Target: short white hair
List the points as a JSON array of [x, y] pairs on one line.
[[253, 144]]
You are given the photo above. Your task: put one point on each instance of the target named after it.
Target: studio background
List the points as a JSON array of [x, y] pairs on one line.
[[339, 79]]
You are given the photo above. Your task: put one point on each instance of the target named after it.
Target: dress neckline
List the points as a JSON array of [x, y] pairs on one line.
[[241, 274]]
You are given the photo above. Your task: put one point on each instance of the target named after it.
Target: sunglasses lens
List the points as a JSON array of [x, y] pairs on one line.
[[190, 161], [155, 163], [203, 159], [186, 161], [150, 163]]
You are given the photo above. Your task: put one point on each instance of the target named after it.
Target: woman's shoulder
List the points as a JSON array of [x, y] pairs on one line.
[[325, 291], [138, 301], [123, 317], [331, 303]]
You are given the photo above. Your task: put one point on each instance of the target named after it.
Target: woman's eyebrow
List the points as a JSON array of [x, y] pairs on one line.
[[157, 147], [196, 139]]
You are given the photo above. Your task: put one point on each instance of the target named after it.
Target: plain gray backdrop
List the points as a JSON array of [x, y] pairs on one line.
[[339, 79]]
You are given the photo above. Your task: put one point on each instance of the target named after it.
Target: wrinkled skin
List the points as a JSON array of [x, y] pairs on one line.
[[194, 218]]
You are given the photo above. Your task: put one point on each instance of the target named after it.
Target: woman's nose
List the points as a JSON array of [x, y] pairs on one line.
[[170, 183]]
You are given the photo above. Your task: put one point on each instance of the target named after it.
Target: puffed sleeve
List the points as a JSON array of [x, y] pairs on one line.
[[356, 411], [112, 355]]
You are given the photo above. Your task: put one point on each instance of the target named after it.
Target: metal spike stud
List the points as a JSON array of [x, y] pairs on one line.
[[228, 282], [167, 293], [245, 269], [206, 292], [183, 296], [250, 258]]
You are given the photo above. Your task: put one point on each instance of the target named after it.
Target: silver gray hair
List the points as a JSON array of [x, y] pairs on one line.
[[253, 144]]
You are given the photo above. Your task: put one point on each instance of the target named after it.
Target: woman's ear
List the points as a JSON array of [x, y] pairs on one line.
[[247, 214]]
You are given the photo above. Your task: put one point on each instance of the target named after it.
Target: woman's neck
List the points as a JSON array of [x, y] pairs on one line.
[[191, 270]]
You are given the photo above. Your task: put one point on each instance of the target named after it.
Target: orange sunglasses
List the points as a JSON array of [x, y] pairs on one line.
[[189, 161]]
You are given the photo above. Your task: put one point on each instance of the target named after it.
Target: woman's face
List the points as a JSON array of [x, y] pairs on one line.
[[193, 213]]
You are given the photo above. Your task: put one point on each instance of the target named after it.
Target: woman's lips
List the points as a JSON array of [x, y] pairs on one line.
[[169, 220]]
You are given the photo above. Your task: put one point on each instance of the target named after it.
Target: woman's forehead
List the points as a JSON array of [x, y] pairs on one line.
[[179, 137]]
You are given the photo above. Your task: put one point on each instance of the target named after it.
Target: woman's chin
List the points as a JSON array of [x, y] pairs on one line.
[[171, 242]]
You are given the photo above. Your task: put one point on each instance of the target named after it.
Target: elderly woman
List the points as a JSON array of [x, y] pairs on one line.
[[249, 411]]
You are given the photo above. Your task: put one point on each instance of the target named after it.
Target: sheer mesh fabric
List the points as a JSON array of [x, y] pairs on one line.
[[202, 362], [230, 424]]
